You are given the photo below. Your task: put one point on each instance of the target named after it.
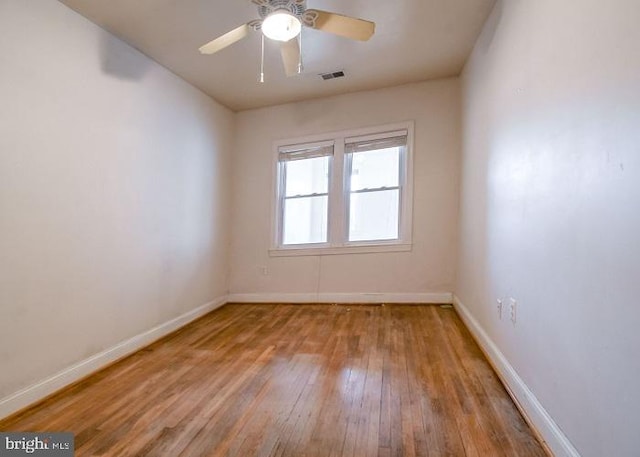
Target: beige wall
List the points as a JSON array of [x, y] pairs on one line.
[[428, 268], [114, 181], [550, 208]]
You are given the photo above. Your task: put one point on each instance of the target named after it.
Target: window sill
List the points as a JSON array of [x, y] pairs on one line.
[[332, 250]]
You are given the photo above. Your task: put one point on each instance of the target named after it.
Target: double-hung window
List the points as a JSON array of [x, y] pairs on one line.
[[375, 176], [344, 192], [304, 173]]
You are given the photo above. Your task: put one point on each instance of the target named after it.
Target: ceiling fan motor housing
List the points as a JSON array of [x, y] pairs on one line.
[[295, 7], [281, 20]]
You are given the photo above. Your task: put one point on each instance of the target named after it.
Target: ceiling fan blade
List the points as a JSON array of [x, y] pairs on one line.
[[290, 51], [226, 40], [345, 26]]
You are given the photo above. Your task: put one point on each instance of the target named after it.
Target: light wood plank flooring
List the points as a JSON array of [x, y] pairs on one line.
[[296, 380]]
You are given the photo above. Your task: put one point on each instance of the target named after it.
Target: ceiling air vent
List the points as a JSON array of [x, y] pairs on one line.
[[333, 75]]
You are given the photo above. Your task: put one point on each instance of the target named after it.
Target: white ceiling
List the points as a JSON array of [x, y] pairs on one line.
[[415, 40]]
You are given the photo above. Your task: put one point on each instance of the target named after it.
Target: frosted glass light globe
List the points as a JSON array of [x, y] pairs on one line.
[[281, 26]]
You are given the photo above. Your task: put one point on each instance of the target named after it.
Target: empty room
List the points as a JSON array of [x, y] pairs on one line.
[[320, 228]]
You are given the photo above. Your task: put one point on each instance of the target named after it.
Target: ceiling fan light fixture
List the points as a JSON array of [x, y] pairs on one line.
[[281, 26]]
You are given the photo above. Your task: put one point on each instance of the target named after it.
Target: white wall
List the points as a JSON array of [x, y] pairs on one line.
[[550, 208], [114, 181], [428, 268]]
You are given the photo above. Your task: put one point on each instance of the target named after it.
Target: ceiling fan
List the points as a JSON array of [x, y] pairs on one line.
[[282, 20]]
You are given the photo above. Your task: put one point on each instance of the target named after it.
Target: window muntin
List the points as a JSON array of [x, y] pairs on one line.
[[362, 204]]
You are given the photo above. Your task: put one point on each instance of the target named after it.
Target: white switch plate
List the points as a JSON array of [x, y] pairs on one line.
[[499, 308]]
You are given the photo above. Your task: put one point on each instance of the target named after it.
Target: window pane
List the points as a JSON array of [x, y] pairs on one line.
[[306, 177], [374, 215], [375, 169], [305, 220]]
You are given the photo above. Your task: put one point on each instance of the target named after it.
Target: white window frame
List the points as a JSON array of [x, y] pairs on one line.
[[304, 151], [339, 193]]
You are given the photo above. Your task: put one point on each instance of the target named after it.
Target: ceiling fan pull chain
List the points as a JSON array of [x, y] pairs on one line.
[[262, 62], [300, 54]]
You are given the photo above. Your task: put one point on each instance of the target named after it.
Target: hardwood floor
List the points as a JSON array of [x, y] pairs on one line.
[[296, 380]]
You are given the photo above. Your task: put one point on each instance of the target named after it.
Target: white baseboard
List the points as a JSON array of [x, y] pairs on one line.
[[431, 298], [535, 414], [30, 395]]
